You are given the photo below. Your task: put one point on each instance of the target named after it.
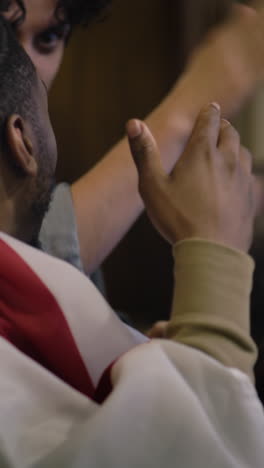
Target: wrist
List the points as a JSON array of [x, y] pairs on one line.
[[187, 98], [172, 123], [214, 317]]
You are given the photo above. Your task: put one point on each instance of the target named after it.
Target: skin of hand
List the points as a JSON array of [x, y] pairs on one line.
[[228, 65], [225, 68], [209, 193], [158, 330]]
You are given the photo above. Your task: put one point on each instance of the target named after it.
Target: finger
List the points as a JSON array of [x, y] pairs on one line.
[[144, 150], [206, 129], [246, 159], [229, 139], [158, 330]]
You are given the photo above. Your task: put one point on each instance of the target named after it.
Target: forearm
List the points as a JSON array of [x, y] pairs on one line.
[[211, 302], [106, 199]]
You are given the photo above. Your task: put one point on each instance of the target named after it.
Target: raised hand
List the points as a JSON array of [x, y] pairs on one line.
[[210, 192], [229, 63]]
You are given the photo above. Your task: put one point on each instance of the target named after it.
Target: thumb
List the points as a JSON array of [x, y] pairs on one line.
[[145, 151]]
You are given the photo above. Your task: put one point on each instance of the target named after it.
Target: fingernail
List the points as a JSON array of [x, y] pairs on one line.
[[225, 123], [216, 106], [133, 128]]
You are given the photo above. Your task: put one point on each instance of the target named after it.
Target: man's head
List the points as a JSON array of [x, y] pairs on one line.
[[43, 26], [27, 143]]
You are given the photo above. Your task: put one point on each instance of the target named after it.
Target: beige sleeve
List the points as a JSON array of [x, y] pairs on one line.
[[210, 309]]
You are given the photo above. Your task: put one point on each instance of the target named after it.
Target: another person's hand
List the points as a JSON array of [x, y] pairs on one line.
[[229, 63], [158, 330], [210, 192]]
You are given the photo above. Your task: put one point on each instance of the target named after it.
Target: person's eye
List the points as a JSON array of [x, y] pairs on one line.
[[48, 41]]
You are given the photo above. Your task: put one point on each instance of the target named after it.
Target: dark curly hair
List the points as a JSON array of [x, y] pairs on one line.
[[17, 77], [83, 11], [74, 12]]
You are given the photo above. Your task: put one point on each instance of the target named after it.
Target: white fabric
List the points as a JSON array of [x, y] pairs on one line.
[[89, 316], [171, 406]]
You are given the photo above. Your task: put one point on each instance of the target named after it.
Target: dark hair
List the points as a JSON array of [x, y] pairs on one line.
[[18, 95], [17, 79], [82, 11], [74, 12]]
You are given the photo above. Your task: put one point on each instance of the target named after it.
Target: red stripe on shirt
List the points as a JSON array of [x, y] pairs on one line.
[[31, 319]]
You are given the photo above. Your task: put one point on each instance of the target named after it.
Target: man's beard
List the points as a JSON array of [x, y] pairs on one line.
[[39, 208], [41, 195]]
